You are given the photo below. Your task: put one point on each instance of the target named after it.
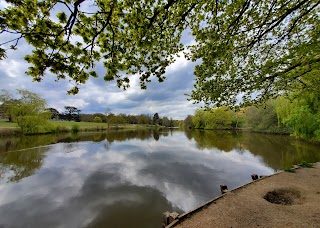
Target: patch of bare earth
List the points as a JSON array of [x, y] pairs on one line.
[[288, 199]]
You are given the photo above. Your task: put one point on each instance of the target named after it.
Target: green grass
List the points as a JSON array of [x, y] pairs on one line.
[[7, 124], [81, 124], [93, 125], [4, 124], [7, 128], [305, 164]]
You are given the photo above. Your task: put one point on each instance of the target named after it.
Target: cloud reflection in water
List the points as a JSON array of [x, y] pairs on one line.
[[124, 184]]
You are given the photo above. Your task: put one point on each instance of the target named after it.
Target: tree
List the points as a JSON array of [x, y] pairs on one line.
[[116, 120], [256, 50], [249, 49], [29, 111], [102, 116], [187, 123], [165, 122], [97, 119], [8, 104], [155, 119], [301, 114], [72, 113], [54, 113], [144, 119], [28, 104]]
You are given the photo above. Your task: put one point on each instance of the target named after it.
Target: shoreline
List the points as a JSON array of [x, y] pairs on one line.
[[245, 206], [15, 131]]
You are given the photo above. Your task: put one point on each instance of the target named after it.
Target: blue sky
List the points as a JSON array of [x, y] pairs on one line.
[[167, 98]]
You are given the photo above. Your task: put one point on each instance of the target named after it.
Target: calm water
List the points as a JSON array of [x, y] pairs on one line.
[[129, 178]]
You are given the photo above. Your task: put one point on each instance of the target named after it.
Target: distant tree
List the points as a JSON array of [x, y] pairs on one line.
[[97, 119], [8, 108], [263, 118], [187, 123], [101, 115], [109, 118], [165, 122], [143, 119], [72, 113], [54, 113], [155, 119], [116, 120], [171, 123], [132, 119], [86, 117]]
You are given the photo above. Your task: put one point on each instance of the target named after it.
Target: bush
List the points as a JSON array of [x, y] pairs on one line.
[[304, 123], [61, 129], [97, 119], [34, 125], [75, 128]]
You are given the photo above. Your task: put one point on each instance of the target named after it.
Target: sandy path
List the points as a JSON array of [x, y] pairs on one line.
[[246, 207]]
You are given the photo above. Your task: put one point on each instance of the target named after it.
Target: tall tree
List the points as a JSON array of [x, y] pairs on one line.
[[72, 113], [54, 113], [249, 49], [155, 118], [8, 104]]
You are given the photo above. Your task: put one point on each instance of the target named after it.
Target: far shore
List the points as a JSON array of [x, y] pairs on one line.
[[12, 129]]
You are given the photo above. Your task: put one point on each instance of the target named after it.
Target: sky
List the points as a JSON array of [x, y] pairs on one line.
[[96, 96]]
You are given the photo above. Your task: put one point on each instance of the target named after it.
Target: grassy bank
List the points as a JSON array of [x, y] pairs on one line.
[[8, 128], [5, 124]]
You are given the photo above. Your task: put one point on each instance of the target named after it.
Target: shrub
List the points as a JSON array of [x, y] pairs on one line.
[[97, 119], [34, 124], [61, 129], [75, 128]]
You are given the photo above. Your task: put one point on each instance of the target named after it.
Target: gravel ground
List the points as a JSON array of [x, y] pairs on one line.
[[246, 207]]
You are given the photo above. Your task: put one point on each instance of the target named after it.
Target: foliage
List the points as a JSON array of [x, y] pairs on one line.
[[255, 50], [217, 118], [75, 128], [34, 124], [304, 123], [54, 113], [97, 119], [264, 118], [117, 120], [305, 164], [61, 129], [249, 49], [28, 104], [72, 113], [29, 111], [156, 119], [187, 123], [144, 119], [301, 114], [8, 103]]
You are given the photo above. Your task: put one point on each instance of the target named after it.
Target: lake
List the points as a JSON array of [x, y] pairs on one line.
[[129, 178]]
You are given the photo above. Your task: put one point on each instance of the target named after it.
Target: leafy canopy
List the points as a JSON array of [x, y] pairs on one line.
[[248, 49]]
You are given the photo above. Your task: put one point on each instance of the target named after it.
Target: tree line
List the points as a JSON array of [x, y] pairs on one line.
[[122, 118], [31, 114], [297, 114]]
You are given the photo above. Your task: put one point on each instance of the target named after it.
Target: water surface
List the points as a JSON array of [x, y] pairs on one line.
[[129, 178]]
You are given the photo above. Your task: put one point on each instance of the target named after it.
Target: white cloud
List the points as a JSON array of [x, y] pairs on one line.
[[166, 98], [13, 68]]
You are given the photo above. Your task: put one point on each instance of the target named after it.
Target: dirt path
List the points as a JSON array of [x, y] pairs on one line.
[[246, 207]]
